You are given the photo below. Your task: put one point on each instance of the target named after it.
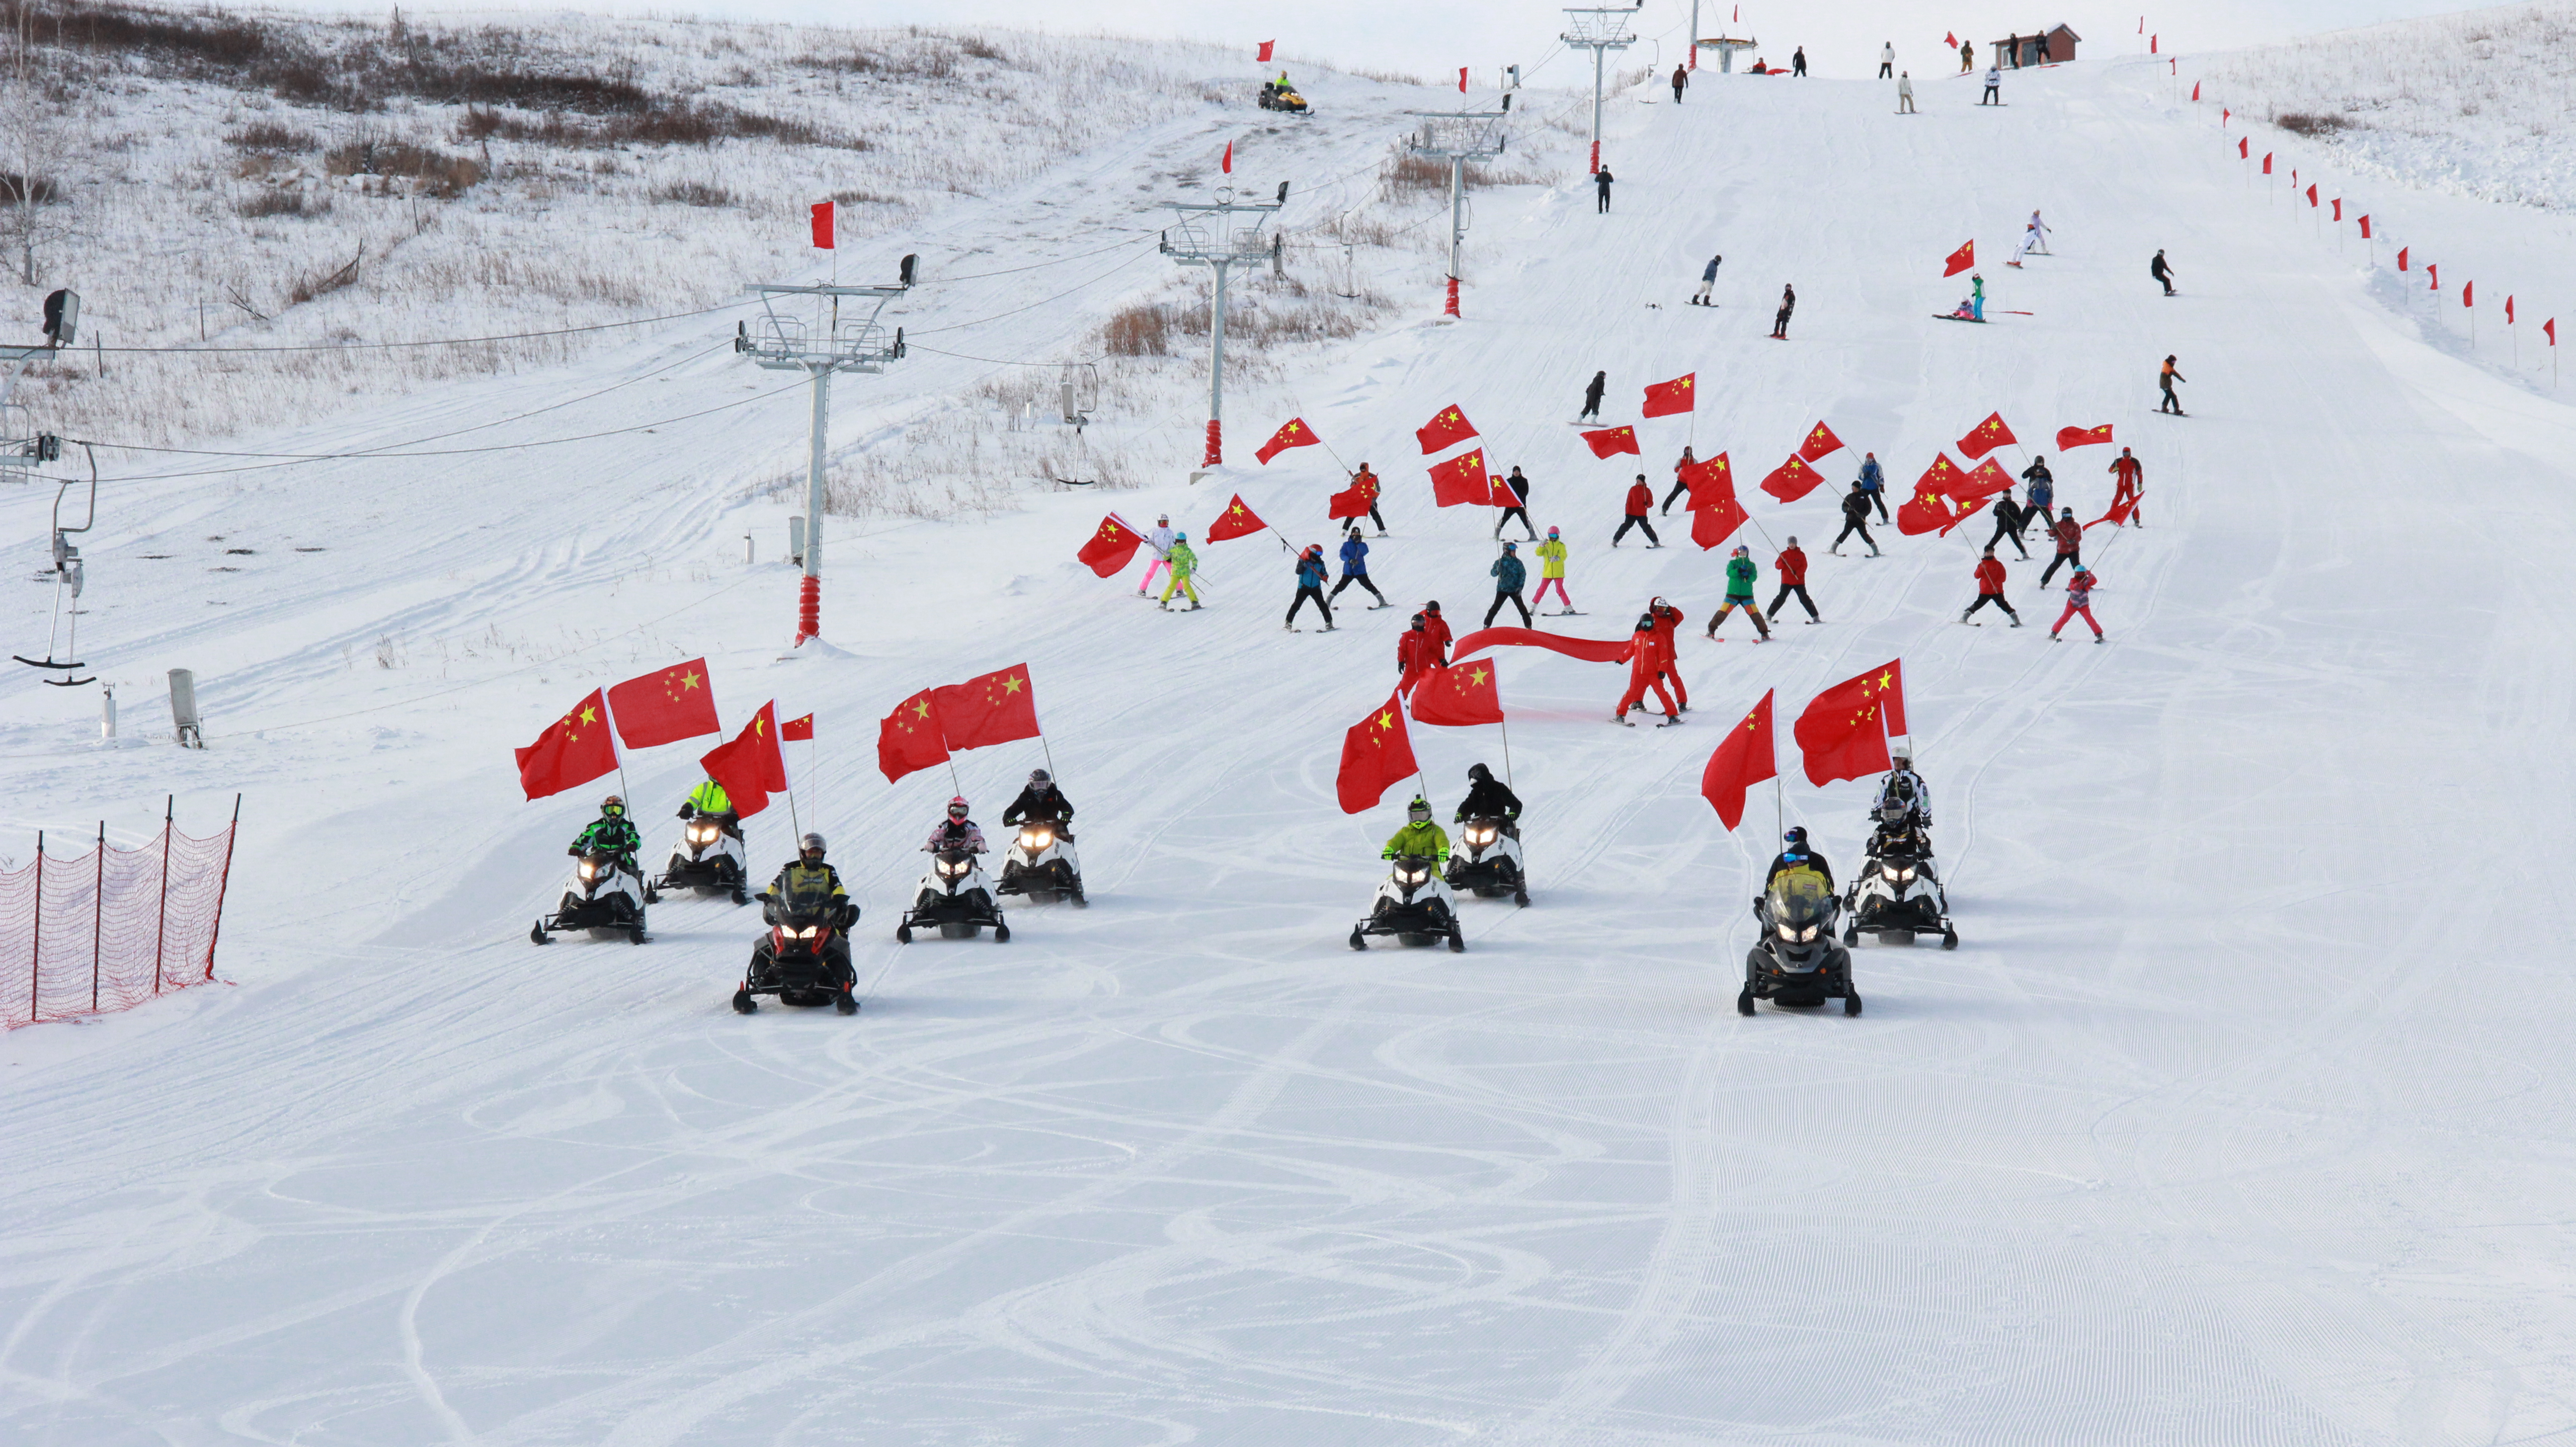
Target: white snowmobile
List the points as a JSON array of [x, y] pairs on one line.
[[1898, 894], [956, 897], [708, 858], [1488, 861], [1796, 962], [1414, 905], [1041, 864], [604, 896]]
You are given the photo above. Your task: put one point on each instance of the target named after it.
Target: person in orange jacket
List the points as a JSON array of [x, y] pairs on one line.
[[2070, 544], [1438, 628], [2130, 486], [1668, 619], [1413, 655], [1645, 671], [1990, 588], [1641, 503], [1792, 566]]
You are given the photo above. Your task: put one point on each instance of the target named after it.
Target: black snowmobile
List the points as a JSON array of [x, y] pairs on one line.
[[707, 859], [1897, 894], [804, 957], [1414, 905], [604, 896], [1796, 961], [1487, 861], [955, 897]]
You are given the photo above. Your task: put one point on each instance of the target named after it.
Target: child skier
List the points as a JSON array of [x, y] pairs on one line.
[[1311, 573], [1510, 576], [1160, 540], [1184, 562], [2070, 544], [2079, 599], [1551, 569], [1740, 573]]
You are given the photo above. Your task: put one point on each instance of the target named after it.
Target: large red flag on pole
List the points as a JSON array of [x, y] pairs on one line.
[[1664, 399], [1821, 443], [1462, 479], [749, 767], [992, 708], [1743, 759], [908, 739], [1377, 754], [1961, 259], [1444, 431], [1712, 483], [573, 750], [2072, 437], [1461, 695], [1263, 58], [1294, 433], [1844, 731], [1715, 523], [1238, 521], [1986, 436], [1792, 479], [1111, 547], [1611, 441], [822, 216], [665, 707]]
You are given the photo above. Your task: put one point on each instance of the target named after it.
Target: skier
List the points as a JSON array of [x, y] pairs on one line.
[[1668, 622], [611, 833], [954, 832], [1591, 399], [1520, 489], [1994, 87], [2009, 522], [1967, 56], [2042, 491], [1160, 540], [2070, 544], [2166, 379], [1798, 61], [1887, 59], [1797, 855], [1707, 282], [1990, 588], [1366, 482], [1905, 95], [1413, 655], [1681, 484], [1641, 501], [1873, 480], [1645, 671], [2160, 271], [1780, 319], [1311, 573], [1510, 576], [2079, 599], [1041, 799], [1438, 628], [1740, 574], [1601, 189], [1184, 562], [1855, 520], [1681, 78], [2130, 488], [1419, 837], [1551, 569], [1792, 566], [1355, 552], [1977, 296], [1489, 798]]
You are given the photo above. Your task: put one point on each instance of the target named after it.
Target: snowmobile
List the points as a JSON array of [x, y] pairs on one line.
[[1488, 861], [1414, 905], [708, 859], [1041, 864], [804, 957], [604, 896], [1796, 962], [1898, 894], [955, 896], [1277, 97]]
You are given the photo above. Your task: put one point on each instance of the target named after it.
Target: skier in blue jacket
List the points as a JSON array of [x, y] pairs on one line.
[[1311, 573], [1873, 483], [1355, 568], [1509, 578]]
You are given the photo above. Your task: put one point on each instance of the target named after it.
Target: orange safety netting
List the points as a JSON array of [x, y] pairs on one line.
[[111, 928]]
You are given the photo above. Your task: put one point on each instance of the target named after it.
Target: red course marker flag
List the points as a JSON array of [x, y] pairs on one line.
[[749, 768], [1227, 164], [2549, 329], [664, 707], [1742, 759], [1821, 443], [1295, 433], [2069, 438], [1663, 399], [573, 750], [1961, 259], [1238, 521], [1263, 58], [1462, 80], [2434, 270], [1449, 428], [2401, 256], [908, 739], [797, 730], [1111, 548], [994, 708], [1844, 732], [2267, 163], [2508, 310], [1377, 754], [822, 225], [1611, 441], [1792, 479], [2468, 293], [1950, 39], [2312, 195], [1988, 435], [2338, 210], [2223, 114], [2243, 150], [2195, 92], [2365, 228], [1462, 479], [1461, 695]]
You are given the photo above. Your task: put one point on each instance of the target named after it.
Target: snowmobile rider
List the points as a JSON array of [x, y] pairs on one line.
[[1797, 855], [1041, 800], [1419, 836], [710, 802], [611, 833], [808, 877], [1488, 798], [956, 831], [1905, 788], [1899, 828]]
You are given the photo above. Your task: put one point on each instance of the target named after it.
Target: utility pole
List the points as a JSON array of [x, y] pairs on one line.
[[1205, 233], [1459, 137], [1599, 31], [820, 346]]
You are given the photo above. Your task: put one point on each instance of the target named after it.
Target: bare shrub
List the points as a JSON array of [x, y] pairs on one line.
[[1406, 174], [271, 137], [1144, 330], [695, 193], [438, 173], [682, 124], [1388, 77], [285, 202], [2311, 123], [981, 49], [866, 198]]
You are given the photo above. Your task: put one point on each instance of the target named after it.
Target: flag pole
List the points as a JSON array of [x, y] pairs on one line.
[[1507, 752]]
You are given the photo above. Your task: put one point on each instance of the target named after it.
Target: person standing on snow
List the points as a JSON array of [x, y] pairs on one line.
[[1681, 78], [1905, 95], [1855, 520], [1990, 588], [2160, 271], [1184, 562], [1645, 671], [1798, 62], [2130, 487], [2009, 521], [1740, 574], [1311, 574], [1668, 622], [2042, 484], [1707, 282], [1792, 566], [2070, 544], [1551, 569], [1780, 319], [1160, 540], [2166, 379], [1873, 481], [1601, 180], [2079, 599], [1681, 484], [1887, 60], [1413, 655], [1592, 397], [1641, 501], [1519, 486], [1994, 87], [1510, 576], [1977, 295], [1438, 628], [1355, 569], [1366, 481]]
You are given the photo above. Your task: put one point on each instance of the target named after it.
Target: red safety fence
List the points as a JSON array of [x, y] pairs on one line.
[[111, 928]]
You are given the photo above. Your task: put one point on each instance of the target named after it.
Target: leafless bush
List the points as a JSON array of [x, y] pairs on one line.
[[1144, 330], [2321, 124], [866, 198], [980, 48], [436, 172], [272, 138], [1388, 77], [15, 188], [682, 124], [695, 193], [285, 201]]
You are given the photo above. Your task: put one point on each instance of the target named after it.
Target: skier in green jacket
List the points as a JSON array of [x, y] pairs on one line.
[[1419, 836], [1740, 573], [1184, 563]]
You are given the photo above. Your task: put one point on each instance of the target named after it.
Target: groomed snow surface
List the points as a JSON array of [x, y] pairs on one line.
[[2241, 1115]]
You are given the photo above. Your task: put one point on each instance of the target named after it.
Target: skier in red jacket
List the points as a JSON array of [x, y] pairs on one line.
[[1990, 588], [1641, 502], [1412, 655], [1645, 671], [2070, 544], [1438, 628], [1667, 619], [2131, 487], [1792, 566], [2079, 599]]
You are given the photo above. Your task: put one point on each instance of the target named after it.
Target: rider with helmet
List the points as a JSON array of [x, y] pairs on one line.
[[956, 831], [1419, 836], [1041, 800], [1489, 798], [1796, 854], [807, 877], [611, 833], [1904, 787], [709, 801]]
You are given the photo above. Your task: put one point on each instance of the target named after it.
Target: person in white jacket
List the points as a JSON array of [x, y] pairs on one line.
[[1886, 59], [1905, 94], [1160, 540]]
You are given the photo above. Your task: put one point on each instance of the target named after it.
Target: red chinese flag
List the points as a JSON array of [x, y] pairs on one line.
[[908, 739], [1928, 512], [1263, 58], [2242, 149], [1611, 441], [1444, 431], [2365, 226], [2118, 514], [822, 225], [993, 708], [1718, 521], [1821, 443], [1377, 755], [1712, 483], [1227, 165], [1111, 548], [2312, 196], [749, 767], [1457, 696], [1987, 480], [1350, 502], [1462, 479], [2073, 437], [1666, 398], [2267, 163], [1503, 496], [1792, 480], [664, 707], [1844, 732], [1237, 521], [797, 730], [573, 750], [1295, 434], [1986, 436], [1960, 260], [2468, 293], [1743, 759]]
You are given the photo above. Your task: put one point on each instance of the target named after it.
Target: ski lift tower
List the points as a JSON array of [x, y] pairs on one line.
[[1599, 31], [840, 335], [1726, 46], [1459, 137], [1206, 233]]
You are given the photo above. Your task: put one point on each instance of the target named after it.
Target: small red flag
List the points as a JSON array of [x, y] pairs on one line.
[[2338, 210], [1377, 754], [1663, 399], [1961, 259], [573, 750], [1263, 58], [1950, 38], [2365, 227], [1227, 165], [1462, 479], [1712, 483], [1449, 428], [2468, 292], [2151, 44], [664, 707], [2073, 437], [823, 225], [1988, 435], [2508, 310], [1457, 696], [2267, 163], [1350, 502], [2195, 92], [1294, 433], [797, 730], [2549, 329], [908, 739], [1237, 521], [1844, 731], [2434, 270], [1742, 759], [1611, 441], [1821, 443], [2243, 148], [1462, 80], [1110, 548], [1792, 479], [2312, 195], [2401, 258], [2223, 114], [1715, 523], [993, 708], [749, 767], [2118, 514]]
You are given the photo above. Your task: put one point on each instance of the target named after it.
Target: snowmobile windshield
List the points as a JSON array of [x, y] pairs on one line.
[[803, 900], [1800, 897]]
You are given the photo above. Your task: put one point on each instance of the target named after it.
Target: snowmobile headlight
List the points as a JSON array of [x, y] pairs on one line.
[[1412, 876], [589, 871], [1480, 837], [1797, 936], [951, 871], [1035, 840], [1904, 874], [811, 931], [703, 833]]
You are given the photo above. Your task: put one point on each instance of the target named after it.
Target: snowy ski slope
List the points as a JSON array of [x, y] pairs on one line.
[[2240, 1115]]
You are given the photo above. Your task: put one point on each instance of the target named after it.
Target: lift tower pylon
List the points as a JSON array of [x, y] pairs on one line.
[[1205, 233], [1599, 31], [1458, 137]]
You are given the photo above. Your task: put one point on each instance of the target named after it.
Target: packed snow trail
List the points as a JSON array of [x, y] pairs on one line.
[[2239, 1115]]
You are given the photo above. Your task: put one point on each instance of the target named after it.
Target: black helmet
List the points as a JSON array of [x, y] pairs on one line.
[[1040, 776], [1796, 838], [1645, 623], [1419, 811], [1480, 773]]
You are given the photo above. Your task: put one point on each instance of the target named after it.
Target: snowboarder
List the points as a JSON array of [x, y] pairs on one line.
[[611, 833], [1551, 569], [1681, 78], [1366, 481], [1438, 628], [1994, 95], [2070, 544], [1967, 56], [1905, 95], [1641, 501], [1798, 61], [1311, 573], [1798, 855], [2009, 522], [1184, 562], [1419, 837], [1792, 567], [2166, 379], [1990, 588], [1601, 190], [1510, 576], [2042, 490], [955, 832], [2160, 271], [1520, 489], [1591, 398], [2130, 487], [1873, 480], [1855, 520], [1413, 655], [1681, 484], [1887, 60], [2079, 599], [1160, 540], [1355, 552], [1707, 282], [1780, 319], [2035, 235], [1668, 622], [1645, 671], [1740, 574]]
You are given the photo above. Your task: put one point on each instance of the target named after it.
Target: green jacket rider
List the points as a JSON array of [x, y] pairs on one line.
[[708, 798], [1419, 836], [611, 833]]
